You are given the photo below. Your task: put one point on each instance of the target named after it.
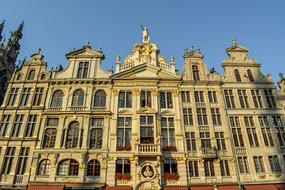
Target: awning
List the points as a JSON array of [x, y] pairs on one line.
[[45, 187], [261, 186], [228, 187], [119, 188], [202, 188], [280, 186], [176, 188]]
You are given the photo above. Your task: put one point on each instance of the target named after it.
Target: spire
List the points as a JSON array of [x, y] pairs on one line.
[[1, 28]]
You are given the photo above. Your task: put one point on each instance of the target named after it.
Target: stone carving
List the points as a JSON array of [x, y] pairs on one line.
[[145, 34], [84, 158], [147, 172], [55, 158]]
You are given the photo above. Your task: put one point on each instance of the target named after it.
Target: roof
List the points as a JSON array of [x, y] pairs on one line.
[[86, 51]]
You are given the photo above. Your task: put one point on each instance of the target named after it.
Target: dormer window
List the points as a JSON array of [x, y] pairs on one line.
[[237, 75], [82, 70], [31, 75], [195, 71]]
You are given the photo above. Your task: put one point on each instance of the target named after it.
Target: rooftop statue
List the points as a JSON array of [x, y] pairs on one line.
[[145, 34]]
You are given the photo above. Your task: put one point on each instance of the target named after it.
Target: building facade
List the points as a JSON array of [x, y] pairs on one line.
[[8, 56], [144, 125]]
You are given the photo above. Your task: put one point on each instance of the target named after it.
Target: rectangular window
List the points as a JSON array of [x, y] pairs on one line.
[[82, 70], [166, 100], [266, 131], [274, 163], [193, 168], [170, 166], [146, 129], [187, 117], [212, 96], [8, 160], [49, 138], [202, 116], [230, 103], [209, 168], [277, 121], [23, 159], [280, 132], [251, 131], [220, 139], [124, 133], [185, 96], [32, 120], [18, 122], [125, 99], [168, 135], [224, 166], [199, 96], [216, 117], [96, 134], [243, 165], [145, 99], [270, 98], [236, 131], [256, 97], [205, 140], [123, 166], [13, 96], [52, 122], [4, 124], [243, 99], [258, 164], [38, 96], [25, 96], [190, 140]]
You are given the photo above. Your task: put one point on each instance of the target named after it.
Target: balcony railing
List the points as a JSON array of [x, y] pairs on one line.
[[209, 152], [240, 151], [147, 148], [54, 108], [77, 108], [200, 104], [204, 128], [98, 108], [18, 179]]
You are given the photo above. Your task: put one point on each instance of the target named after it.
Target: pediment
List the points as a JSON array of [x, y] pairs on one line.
[[85, 52], [146, 71], [237, 48]]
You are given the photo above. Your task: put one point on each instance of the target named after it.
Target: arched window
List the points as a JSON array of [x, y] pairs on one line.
[[250, 77], [78, 98], [68, 167], [43, 76], [44, 167], [99, 99], [31, 75], [237, 75], [72, 135], [56, 100], [93, 168], [195, 71], [19, 77]]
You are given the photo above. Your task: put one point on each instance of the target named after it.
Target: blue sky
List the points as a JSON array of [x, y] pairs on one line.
[[58, 26]]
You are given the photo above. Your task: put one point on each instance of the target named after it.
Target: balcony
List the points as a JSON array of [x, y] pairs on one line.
[[209, 152], [200, 104], [54, 108], [98, 108], [18, 179], [147, 149], [77, 108]]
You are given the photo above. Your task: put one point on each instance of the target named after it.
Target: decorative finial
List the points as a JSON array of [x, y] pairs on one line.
[[191, 49], [281, 76], [198, 51], [118, 59], [145, 34], [186, 50], [39, 50], [73, 49], [234, 42], [87, 44], [172, 60]]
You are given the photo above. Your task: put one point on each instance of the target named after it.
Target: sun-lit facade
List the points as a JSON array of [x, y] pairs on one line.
[[143, 125]]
